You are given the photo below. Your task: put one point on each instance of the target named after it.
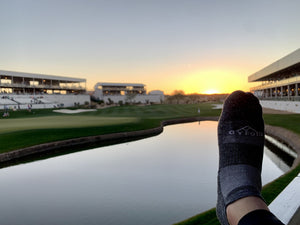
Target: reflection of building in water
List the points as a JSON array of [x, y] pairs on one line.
[[279, 153], [126, 92], [280, 83], [42, 91]]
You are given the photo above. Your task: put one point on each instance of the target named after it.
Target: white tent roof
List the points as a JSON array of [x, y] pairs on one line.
[[40, 76], [281, 64]]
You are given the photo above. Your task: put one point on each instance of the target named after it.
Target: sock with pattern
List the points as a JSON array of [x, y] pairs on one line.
[[241, 143]]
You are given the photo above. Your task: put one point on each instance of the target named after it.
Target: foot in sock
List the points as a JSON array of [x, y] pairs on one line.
[[241, 142]]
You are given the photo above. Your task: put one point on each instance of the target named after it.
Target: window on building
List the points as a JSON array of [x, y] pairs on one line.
[[33, 83]]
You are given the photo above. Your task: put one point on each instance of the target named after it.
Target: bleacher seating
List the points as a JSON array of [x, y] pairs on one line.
[[41, 101], [5, 101]]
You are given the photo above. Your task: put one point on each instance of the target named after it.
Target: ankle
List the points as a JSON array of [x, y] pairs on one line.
[[238, 209]]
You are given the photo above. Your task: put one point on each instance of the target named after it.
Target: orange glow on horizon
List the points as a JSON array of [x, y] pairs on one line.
[[211, 91], [213, 82], [201, 81]]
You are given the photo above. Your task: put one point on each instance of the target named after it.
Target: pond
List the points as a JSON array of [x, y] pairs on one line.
[[158, 180]]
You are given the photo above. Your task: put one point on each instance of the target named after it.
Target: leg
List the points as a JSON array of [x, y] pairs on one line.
[[241, 142], [238, 209]]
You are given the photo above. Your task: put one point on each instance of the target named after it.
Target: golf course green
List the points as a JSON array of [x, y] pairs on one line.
[[23, 129]]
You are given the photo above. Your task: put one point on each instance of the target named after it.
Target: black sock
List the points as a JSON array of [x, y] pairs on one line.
[[241, 143], [260, 217]]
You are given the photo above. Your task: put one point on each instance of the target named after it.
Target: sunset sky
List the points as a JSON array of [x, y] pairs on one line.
[[198, 46]]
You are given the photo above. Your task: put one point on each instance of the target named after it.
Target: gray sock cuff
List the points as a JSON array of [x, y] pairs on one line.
[[239, 181], [242, 192]]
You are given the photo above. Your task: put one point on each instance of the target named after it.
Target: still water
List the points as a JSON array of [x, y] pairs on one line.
[[158, 180]]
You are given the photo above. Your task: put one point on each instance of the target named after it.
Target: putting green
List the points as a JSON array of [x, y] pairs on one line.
[[46, 122]]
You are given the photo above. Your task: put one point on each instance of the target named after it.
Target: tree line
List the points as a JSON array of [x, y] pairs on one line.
[[179, 97]]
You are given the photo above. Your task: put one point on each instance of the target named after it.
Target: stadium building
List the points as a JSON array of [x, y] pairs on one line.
[[280, 83], [20, 90], [111, 93]]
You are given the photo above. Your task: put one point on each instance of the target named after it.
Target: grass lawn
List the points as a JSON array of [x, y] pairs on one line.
[[288, 121], [51, 122]]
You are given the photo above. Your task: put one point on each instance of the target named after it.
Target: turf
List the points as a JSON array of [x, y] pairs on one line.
[[288, 121], [51, 122], [24, 129]]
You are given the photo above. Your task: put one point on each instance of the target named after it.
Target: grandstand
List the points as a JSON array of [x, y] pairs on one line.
[[280, 83], [20, 90], [126, 93]]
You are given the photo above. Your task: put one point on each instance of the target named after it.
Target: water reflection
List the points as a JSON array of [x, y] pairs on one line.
[[280, 153], [277, 161], [158, 180]]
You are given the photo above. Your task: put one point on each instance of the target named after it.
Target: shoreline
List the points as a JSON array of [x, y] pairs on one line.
[[279, 133], [287, 137], [94, 140]]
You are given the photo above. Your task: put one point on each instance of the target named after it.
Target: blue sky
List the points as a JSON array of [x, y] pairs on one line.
[[190, 45]]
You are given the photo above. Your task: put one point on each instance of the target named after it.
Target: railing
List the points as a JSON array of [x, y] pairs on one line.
[[278, 83], [59, 87], [121, 89], [279, 98]]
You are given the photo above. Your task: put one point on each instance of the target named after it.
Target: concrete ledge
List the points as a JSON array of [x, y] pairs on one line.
[[288, 137], [287, 204], [290, 106], [98, 139]]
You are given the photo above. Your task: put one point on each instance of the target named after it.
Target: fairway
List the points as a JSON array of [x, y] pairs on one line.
[[50, 122], [23, 128]]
